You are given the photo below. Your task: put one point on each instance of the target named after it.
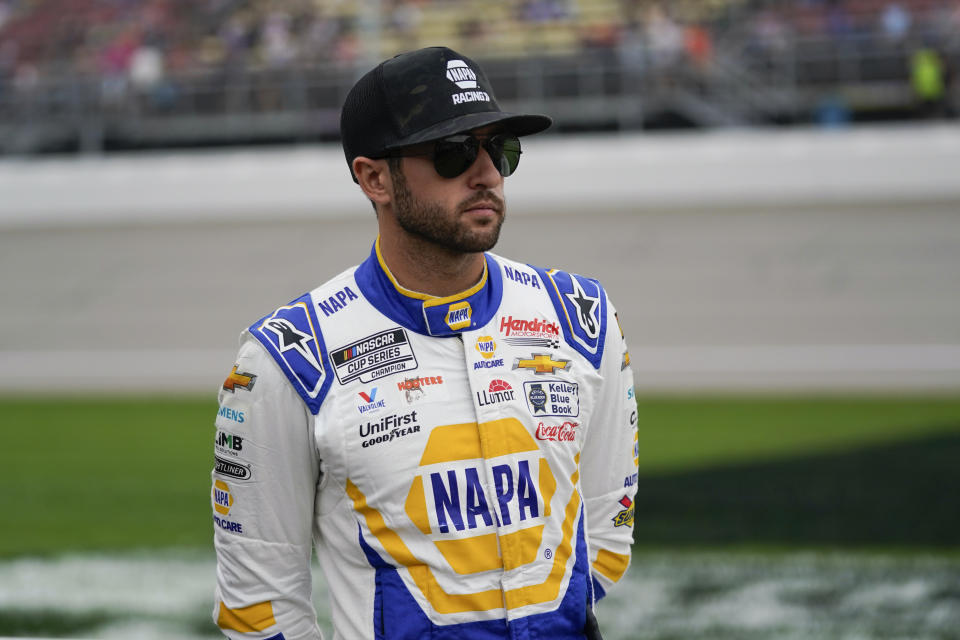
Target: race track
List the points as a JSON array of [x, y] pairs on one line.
[[837, 296]]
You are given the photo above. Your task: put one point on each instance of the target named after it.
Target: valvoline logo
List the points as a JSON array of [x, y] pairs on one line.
[[370, 402]]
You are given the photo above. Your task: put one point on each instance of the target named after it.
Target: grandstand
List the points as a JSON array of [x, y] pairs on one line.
[[88, 75]]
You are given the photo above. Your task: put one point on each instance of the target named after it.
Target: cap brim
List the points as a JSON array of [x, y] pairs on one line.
[[519, 124]]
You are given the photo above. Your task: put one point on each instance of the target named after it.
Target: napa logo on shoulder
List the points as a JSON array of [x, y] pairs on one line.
[[337, 301], [458, 315]]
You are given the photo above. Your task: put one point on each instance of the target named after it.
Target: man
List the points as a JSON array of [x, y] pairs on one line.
[[454, 432]]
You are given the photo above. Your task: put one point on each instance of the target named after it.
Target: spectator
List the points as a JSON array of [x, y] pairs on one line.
[[929, 86], [896, 21]]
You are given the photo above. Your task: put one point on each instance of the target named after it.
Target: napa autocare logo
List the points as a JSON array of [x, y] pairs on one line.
[[460, 74], [523, 332], [496, 392], [487, 348], [222, 498]]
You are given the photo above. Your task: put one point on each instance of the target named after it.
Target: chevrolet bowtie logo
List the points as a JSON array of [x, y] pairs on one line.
[[242, 380], [541, 363]]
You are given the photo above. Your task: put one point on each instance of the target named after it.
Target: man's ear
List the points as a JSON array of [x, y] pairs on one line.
[[373, 176]]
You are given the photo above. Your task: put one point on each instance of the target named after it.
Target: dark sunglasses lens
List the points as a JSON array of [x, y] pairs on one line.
[[504, 150], [453, 156]]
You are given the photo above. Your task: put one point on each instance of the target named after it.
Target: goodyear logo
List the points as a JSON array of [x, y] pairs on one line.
[[458, 315], [222, 499]]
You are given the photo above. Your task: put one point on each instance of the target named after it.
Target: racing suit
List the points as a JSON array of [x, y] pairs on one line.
[[464, 466]]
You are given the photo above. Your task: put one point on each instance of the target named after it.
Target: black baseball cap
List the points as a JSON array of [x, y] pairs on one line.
[[421, 96]]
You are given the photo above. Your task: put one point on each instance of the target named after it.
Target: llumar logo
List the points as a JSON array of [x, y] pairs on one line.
[[237, 379], [496, 392]]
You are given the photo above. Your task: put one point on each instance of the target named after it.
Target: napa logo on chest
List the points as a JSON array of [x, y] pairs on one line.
[[487, 348]]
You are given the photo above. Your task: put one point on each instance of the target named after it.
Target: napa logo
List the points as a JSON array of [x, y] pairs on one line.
[[458, 315], [461, 75], [222, 498], [486, 346], [449, 502]]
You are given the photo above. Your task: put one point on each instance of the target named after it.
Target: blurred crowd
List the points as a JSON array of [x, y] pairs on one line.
[[136, 45]]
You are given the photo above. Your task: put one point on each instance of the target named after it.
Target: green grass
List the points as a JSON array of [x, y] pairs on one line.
[[105, 474], [122, 473], [686, 433]]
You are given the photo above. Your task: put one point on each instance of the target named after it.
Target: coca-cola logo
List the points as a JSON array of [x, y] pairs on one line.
[[557, 432]]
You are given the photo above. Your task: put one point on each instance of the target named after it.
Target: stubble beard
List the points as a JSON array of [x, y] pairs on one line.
[[431, 222]]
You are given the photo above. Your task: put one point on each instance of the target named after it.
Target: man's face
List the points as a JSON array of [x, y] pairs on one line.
[[462, 214]]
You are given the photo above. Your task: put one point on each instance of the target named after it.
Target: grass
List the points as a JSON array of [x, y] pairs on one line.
[[124, 473]]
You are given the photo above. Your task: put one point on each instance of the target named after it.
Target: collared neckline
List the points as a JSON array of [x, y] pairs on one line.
[[425, 313]]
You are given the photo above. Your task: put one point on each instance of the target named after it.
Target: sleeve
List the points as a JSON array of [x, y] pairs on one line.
[[609, 465], [264, 484]]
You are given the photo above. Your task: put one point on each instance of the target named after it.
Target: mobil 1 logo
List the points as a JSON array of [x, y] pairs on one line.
[[552, 398], [374, 357]]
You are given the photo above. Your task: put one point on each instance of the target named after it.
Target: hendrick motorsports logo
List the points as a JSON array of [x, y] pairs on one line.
[[374, 357]]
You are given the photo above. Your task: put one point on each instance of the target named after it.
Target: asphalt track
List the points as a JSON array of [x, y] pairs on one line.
[[825, 297]]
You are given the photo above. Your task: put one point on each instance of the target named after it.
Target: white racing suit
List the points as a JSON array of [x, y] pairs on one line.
[[464, 466]]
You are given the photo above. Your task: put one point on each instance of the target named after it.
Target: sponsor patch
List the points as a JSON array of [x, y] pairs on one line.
[[222, 498], [458, 315], [553, 398], [486, 346], [541, 363], [370, 401], [565, 432], [374, 357], [337, 301], [624, 518], [231, 414], [228, 525], [388, 429], [239, 380], [496, 392], [518, 275], [228, 443], [232, 469], [520, 332], [630, 480]]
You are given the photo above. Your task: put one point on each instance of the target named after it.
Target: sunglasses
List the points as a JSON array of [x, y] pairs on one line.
[[455, 154]]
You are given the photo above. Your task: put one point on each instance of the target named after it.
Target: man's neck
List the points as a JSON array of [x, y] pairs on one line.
[[423, 267]]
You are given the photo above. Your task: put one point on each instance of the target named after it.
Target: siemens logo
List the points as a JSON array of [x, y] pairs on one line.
[[231, 414]]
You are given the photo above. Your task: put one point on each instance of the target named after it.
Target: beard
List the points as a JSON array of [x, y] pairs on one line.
[[433, 223]]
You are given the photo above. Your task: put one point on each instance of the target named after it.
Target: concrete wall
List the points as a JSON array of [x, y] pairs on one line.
[[797, 260]]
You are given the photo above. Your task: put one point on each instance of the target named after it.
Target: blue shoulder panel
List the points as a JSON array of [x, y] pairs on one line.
[[292, 336], [582, 308]]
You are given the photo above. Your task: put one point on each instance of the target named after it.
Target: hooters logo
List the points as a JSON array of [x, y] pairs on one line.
[[565, 432]]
